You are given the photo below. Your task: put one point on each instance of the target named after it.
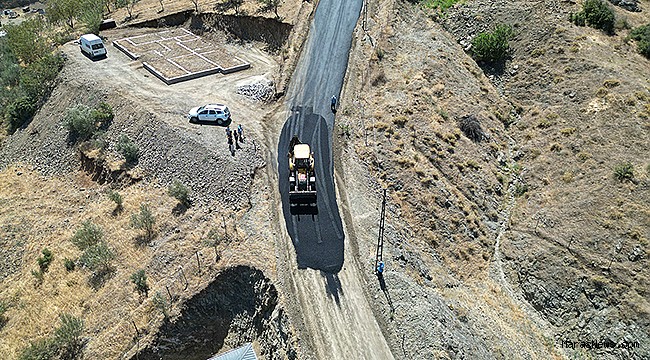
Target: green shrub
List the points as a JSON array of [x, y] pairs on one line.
[[45, 260], [88, 235], [599, 15], [38, 275], [578, 18], [19, 112], [69, 264], [67, 337], [144, 220], [116, 198], [139, 278], [596, 14], [128, 149], [180, 192], [97, 257], [43, 349], [521, 189], [103, 114], [492, 46], [160, 302], [65, 343], [80, 122], [624, 171], [642, 37]]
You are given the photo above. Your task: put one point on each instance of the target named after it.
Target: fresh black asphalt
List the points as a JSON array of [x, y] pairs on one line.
[[317, 232]]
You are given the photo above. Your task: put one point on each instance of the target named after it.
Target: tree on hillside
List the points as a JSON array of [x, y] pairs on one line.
[[27, 41], [88, 12], [196, 5], [268, 5], [226, 5], [64, 11], [92, 14], [128, 4]]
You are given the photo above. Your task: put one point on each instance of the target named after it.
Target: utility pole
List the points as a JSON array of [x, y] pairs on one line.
[[380, 239], [365, 15]]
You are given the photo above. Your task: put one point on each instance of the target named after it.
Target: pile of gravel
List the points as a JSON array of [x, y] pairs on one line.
[[259, 91]]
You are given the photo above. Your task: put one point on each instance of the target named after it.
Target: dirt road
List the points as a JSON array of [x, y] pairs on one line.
[[336, 316]]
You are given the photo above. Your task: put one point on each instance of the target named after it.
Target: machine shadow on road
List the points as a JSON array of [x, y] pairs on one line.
[[333, 287], [316, 231]]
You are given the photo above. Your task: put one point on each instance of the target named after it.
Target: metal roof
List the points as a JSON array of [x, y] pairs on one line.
[[245, 352]]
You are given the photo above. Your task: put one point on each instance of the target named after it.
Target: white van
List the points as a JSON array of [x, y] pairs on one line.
[[92, 45]]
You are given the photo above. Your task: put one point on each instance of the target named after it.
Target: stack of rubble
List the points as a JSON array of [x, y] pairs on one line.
[[259, 91]]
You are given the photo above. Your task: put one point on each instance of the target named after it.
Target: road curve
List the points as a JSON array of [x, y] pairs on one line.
[[317, 233]]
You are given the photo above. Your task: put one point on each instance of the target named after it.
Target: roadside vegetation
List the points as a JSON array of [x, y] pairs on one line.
[[642, 37], [492, 46], [65, 343], [596, 14], [28, 69], [441, 5]]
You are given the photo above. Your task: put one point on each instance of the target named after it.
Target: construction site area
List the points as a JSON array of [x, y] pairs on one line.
[[177, 55]]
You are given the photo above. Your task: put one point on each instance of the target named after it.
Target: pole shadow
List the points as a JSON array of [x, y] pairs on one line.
[[384, 289]]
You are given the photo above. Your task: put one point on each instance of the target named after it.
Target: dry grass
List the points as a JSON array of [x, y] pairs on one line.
[[50, 210]]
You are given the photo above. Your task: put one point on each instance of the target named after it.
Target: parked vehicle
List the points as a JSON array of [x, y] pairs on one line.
[[92, 45], [210, 113]]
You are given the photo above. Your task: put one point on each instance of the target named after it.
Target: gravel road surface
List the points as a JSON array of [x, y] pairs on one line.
[[334, 310], [318, 235]]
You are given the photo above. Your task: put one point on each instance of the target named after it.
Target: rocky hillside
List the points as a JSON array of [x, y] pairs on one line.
[[531, 208]]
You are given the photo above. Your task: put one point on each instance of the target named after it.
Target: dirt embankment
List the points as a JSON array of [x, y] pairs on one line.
[[577, 248], [408, 87], [239, 306], [564, 112]]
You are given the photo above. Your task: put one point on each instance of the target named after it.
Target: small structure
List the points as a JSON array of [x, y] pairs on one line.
[[245, 352], [178, 55]]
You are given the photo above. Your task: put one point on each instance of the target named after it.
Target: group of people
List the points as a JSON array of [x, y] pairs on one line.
[[237, 134]]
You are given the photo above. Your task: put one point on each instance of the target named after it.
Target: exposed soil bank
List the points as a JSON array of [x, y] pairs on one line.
[[239, 306], [247, 28]]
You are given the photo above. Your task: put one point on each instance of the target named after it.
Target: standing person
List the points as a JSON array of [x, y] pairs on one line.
[[333, 105], [240, 130], [228, 132]]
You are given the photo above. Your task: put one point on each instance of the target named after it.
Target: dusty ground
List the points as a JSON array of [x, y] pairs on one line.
[[473, 271]]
